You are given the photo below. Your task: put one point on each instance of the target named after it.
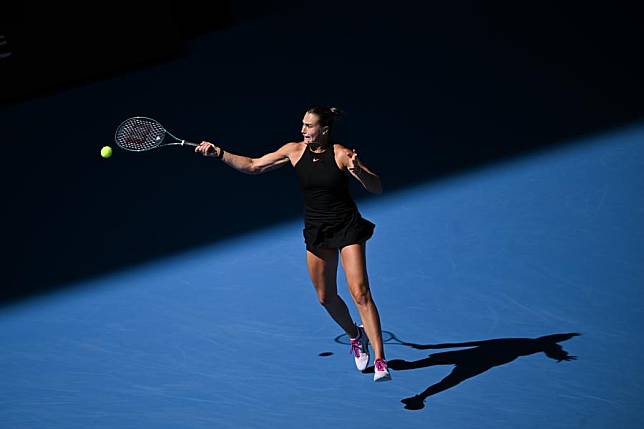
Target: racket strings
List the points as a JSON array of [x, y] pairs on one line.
[[139, 134]]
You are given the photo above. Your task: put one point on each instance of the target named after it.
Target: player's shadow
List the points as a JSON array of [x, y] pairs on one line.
[[476, 360]]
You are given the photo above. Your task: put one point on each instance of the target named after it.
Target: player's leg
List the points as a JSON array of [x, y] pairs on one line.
[[354, 262], [323, 267], [355, 268]]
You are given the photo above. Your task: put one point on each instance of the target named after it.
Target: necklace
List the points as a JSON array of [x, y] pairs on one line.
[[318, 146]]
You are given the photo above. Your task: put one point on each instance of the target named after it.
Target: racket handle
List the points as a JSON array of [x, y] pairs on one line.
[[187, 143]]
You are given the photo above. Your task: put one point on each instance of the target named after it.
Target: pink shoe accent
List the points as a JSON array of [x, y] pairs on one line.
[[354, 347], [381, 365], [380, 372]]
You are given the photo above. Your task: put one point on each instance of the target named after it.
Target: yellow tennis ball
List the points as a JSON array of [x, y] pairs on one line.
[[106, 152]]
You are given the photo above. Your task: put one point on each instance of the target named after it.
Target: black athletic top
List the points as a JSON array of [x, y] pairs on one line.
[[331, 217]]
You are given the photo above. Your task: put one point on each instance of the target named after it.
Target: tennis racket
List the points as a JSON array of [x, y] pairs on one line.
[[138, 134]]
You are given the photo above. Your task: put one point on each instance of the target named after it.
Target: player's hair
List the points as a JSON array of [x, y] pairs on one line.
[[327, 115]]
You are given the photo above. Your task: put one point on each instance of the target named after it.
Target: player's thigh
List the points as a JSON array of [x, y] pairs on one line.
[[323, 267], [354, 264]]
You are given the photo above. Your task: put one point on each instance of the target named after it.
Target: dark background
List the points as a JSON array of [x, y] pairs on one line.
[[430, 90]]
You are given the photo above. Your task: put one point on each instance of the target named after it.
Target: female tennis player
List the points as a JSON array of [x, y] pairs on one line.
[[332, 224]]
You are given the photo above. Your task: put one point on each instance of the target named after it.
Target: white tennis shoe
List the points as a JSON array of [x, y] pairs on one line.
[[359, 348], [380, 371]]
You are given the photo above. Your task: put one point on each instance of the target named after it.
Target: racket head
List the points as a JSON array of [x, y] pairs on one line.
[[139, 133]]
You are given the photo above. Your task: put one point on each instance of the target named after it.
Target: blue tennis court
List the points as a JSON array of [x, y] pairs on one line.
[[165, 290], [229, 335]]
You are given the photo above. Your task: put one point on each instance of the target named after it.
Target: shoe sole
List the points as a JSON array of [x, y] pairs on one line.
[[383, 378]]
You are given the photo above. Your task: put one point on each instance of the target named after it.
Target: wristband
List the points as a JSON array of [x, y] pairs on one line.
[[221, 153]]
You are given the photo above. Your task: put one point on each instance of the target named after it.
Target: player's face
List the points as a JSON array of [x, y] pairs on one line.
[[311, 129]]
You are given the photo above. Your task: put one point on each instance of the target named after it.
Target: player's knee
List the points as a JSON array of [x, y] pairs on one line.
[[327, 299], [361, 294]]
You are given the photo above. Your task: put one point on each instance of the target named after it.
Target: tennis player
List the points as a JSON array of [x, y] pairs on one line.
[[333, 224]]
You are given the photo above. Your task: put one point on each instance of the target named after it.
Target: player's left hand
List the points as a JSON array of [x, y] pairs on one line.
[[354, 165]]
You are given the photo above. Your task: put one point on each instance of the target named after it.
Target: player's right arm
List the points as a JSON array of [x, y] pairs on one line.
[[247, 165]]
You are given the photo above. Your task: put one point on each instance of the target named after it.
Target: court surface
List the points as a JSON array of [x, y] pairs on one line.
[[230, 336]]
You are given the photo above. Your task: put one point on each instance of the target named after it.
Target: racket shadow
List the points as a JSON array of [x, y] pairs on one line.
[[475, 360]]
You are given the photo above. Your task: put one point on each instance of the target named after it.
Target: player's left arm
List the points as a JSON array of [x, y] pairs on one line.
[[361, 172]]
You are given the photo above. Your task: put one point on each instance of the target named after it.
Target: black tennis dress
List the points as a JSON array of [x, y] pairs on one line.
[[331, 217]]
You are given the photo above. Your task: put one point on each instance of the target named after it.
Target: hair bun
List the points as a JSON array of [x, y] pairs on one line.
[[327, 115], [336, 112]]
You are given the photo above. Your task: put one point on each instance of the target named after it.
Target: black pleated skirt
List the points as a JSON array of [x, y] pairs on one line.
[[352, 230]]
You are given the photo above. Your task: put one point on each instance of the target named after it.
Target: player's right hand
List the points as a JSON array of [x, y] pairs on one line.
[[207, 149]]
